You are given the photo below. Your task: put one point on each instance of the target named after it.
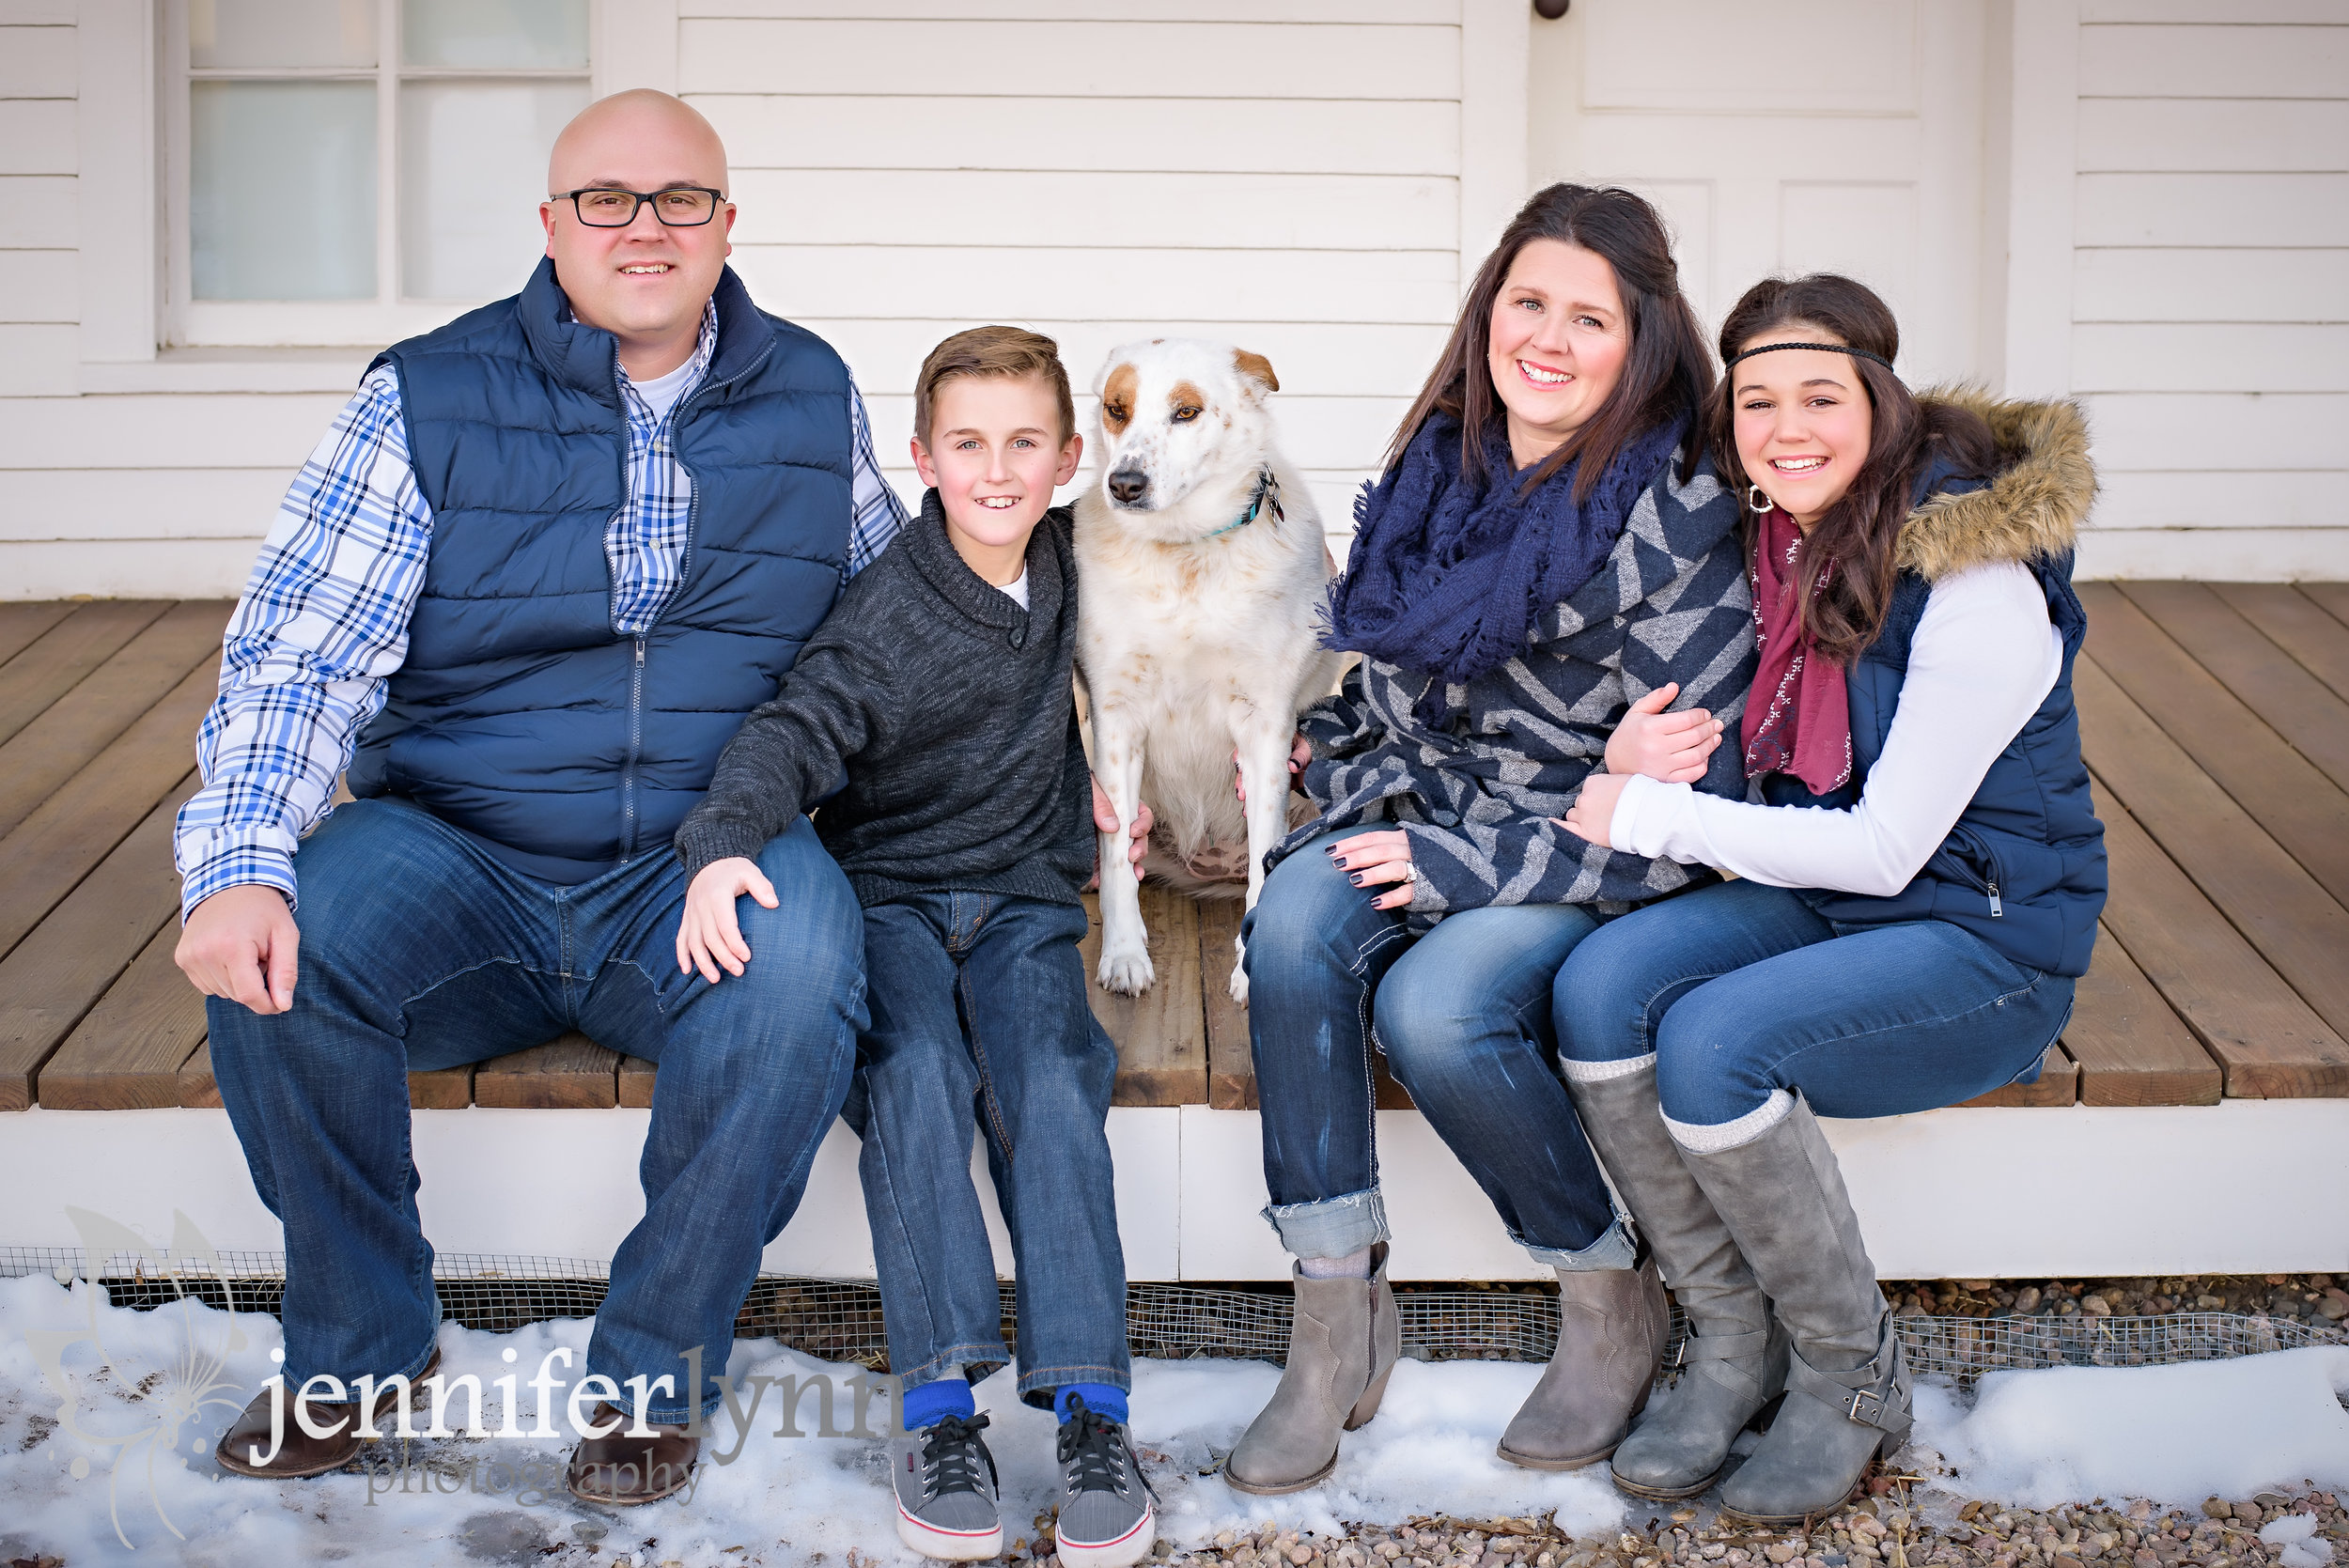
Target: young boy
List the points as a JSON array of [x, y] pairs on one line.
[[937, 702]]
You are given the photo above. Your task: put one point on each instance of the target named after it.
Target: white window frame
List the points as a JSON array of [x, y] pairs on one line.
[[122, 131], [391, 314]]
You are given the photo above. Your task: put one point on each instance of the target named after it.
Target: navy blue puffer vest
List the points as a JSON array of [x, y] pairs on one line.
[[520, 715], [2024, 867]]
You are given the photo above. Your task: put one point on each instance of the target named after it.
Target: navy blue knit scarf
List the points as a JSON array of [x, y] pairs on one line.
[[1447, 573]]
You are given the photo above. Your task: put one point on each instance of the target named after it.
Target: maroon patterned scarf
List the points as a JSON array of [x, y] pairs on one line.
[[1797, 718]]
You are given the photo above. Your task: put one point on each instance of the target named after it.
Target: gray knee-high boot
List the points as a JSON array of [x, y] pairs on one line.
[[1848, 1386], [1734, 1358], [1343, 1339]]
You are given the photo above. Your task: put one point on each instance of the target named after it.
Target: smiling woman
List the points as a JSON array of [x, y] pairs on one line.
[[1547, 503]]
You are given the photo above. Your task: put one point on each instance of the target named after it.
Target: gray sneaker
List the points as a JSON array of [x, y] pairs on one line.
[[1108, 1519], [946, 1490]]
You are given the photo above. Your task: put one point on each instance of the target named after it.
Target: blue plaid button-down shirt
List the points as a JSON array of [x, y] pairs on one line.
[[323, 622]]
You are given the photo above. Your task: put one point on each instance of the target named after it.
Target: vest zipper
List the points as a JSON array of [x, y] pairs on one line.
[[1998, 911], [635, 747]]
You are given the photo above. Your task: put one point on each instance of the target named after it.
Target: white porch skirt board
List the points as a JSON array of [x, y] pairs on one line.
[[2243, 1187]]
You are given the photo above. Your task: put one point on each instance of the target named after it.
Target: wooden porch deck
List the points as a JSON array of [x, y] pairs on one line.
[[2217, 717]]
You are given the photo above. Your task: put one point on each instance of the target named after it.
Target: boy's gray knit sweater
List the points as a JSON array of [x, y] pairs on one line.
[[943, 714]]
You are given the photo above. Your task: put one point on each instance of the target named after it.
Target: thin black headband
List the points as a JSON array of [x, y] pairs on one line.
[[1823, 347]]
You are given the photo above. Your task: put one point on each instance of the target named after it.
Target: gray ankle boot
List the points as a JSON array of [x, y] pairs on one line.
[[1343, 1339], [1611, 1324], [1848, 1386], [1734, 1360]]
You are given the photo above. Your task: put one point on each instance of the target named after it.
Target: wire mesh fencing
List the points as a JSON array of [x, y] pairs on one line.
[[840, 1320]]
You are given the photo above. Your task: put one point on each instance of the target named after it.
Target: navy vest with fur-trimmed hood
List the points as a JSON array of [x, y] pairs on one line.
[[2024, 867], [520, 715]]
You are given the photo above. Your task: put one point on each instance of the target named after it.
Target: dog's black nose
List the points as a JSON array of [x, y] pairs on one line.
[[1129, 485]]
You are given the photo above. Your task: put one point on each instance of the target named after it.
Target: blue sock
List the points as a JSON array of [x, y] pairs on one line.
[[1109, 1402], [933, 1402]]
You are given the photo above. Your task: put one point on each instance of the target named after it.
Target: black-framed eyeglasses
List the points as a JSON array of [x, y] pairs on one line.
[[678, 206]]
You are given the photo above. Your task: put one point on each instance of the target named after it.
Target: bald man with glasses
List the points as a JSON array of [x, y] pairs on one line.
[[523, 593]]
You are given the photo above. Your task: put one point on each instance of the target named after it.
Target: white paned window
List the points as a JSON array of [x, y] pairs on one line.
[[353, 171]]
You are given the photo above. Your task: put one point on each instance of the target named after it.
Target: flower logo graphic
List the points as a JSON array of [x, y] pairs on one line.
[[152, 1409]]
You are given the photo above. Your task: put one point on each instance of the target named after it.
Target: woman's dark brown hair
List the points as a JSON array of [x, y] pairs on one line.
[[1666, 372], [1856, 542]]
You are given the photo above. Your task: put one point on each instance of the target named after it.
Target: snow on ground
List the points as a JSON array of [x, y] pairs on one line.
[[132, 1452]]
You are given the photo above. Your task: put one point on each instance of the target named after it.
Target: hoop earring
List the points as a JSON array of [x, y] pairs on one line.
[[1757, 502]]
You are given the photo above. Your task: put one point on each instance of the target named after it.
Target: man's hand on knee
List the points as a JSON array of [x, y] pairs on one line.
[[241, 944], [709, 938]]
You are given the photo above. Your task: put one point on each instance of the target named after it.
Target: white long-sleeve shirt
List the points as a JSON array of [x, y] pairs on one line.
[[1983, 658]]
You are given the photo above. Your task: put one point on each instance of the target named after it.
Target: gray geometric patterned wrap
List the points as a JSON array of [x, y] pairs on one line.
[[1670, 603]]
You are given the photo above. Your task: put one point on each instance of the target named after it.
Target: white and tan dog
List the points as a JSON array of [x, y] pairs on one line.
[[1202, 568]]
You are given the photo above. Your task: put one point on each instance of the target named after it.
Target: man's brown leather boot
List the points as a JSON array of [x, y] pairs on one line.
[[624, 1472], [297, 1452]]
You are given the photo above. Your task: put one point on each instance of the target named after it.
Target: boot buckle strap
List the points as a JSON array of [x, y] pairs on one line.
[[1865, 1407], [1718, 1347]]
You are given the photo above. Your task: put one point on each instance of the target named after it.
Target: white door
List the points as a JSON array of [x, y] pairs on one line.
[[1794, 137]]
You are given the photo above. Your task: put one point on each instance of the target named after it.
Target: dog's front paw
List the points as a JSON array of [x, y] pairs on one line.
[[1126, 966], [1239, 972]]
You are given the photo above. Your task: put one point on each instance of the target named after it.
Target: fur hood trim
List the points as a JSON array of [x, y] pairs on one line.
[[2032, 510]]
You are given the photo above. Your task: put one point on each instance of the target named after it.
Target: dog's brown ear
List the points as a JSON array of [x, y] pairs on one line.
[[1257, 368]]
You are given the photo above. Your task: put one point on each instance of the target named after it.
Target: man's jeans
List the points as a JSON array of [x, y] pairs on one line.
[[420, 949], [1463, 1016], [979, 1015], [1742, 991]]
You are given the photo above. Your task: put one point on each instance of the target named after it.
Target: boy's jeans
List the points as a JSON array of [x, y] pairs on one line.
[[419, 950], [979, 1012]]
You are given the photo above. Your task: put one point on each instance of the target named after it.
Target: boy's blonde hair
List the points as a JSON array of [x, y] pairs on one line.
[[1005, 351]]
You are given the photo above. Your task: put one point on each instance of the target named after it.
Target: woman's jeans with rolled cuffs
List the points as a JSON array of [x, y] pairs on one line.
[[980, 1023], [1744, 997], [1463, 1015]]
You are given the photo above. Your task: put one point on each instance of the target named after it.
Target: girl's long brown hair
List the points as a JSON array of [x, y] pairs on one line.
[[1667, 370], [1856, 540]]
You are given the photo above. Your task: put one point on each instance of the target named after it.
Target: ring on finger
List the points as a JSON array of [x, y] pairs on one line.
[[1411, 873]]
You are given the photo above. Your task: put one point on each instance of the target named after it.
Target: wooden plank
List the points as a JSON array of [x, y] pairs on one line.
[[2278, 907], [571, 1074], [2131, 1048], [23, 623], [197, 1089], [2179, 687], [2332, 598], [446, 1088], [1231, 1068], [79, 724], [66, 653], [2059, 1084], [637, 1081], [58, 972], [127, 1054], [75, 829], [2268, 1040], [1161, 1034], [2291, 618]]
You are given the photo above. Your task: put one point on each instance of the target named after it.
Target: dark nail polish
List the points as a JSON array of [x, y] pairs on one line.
[[1355, 878], [1330, 850]]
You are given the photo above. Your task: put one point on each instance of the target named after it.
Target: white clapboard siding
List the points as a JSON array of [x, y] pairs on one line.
[[39, 286], [1221, 62], [2210, 285], [139, 503], [37, 136], [2203, 61], [36, 62], [39, 212], [213, 430], [2227, 431], [2222, 135], [1309, 358], [2241, 209], [2234, 356], [1295, 136], [37, 359], [999, 282], [1080, 213]]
